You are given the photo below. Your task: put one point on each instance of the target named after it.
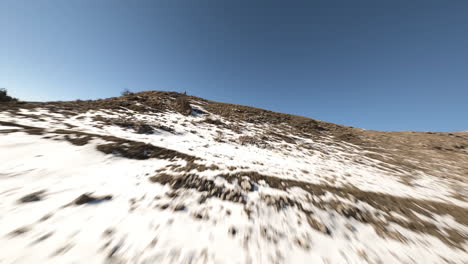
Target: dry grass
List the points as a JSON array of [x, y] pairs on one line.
[[182, 105], [429, 152], [383, 202]]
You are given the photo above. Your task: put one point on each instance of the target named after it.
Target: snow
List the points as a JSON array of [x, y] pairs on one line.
[[337, 164], [133, 228]]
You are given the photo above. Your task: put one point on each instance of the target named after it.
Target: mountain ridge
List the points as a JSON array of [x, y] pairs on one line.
[[142, 171]]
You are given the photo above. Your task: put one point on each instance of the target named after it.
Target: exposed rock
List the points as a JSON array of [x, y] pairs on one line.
[[232, 231], [230, 195], [246, 186], [88, 198], [352, 198], [32, 197], [317, 225], [179, 207], [143, 129], [20, 231], [202, 199]]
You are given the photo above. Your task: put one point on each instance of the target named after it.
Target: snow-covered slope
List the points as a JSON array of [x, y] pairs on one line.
[[142, 184]]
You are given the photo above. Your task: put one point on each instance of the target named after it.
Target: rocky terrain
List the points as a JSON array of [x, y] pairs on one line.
[[161, 177]]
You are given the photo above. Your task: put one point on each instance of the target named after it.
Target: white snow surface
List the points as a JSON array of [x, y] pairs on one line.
[[133, 228]]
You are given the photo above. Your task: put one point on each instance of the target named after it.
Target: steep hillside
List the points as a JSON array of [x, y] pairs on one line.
[[160, 177]]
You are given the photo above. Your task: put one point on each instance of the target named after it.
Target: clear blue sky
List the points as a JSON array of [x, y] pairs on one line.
[[387, 65]]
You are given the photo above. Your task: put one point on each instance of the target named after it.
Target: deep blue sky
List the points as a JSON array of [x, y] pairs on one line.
[[387, 65]]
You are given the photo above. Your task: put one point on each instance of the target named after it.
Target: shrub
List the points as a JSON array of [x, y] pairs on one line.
[[182, 105], [126, 92], [4, 97]]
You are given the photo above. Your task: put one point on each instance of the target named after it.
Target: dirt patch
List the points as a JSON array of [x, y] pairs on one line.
[[121, 147], [7, 131], [141, 151], [28, 129], [139, 127]]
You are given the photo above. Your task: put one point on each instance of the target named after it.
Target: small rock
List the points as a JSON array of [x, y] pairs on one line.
[[269, 200], [246, 186], [323, 228], [213, 191], [43, 237], [108, 232], [352, 198], [359, 217], [172, 194], [144, 129], [32, 197], [229, 195], [20, 231], [339, 209], [232, 231], [87, 198], [317, 225], [198, 216], [45, 217], [218, 192], [222, 195], [202, 199], [179, 207], [113, 251]]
